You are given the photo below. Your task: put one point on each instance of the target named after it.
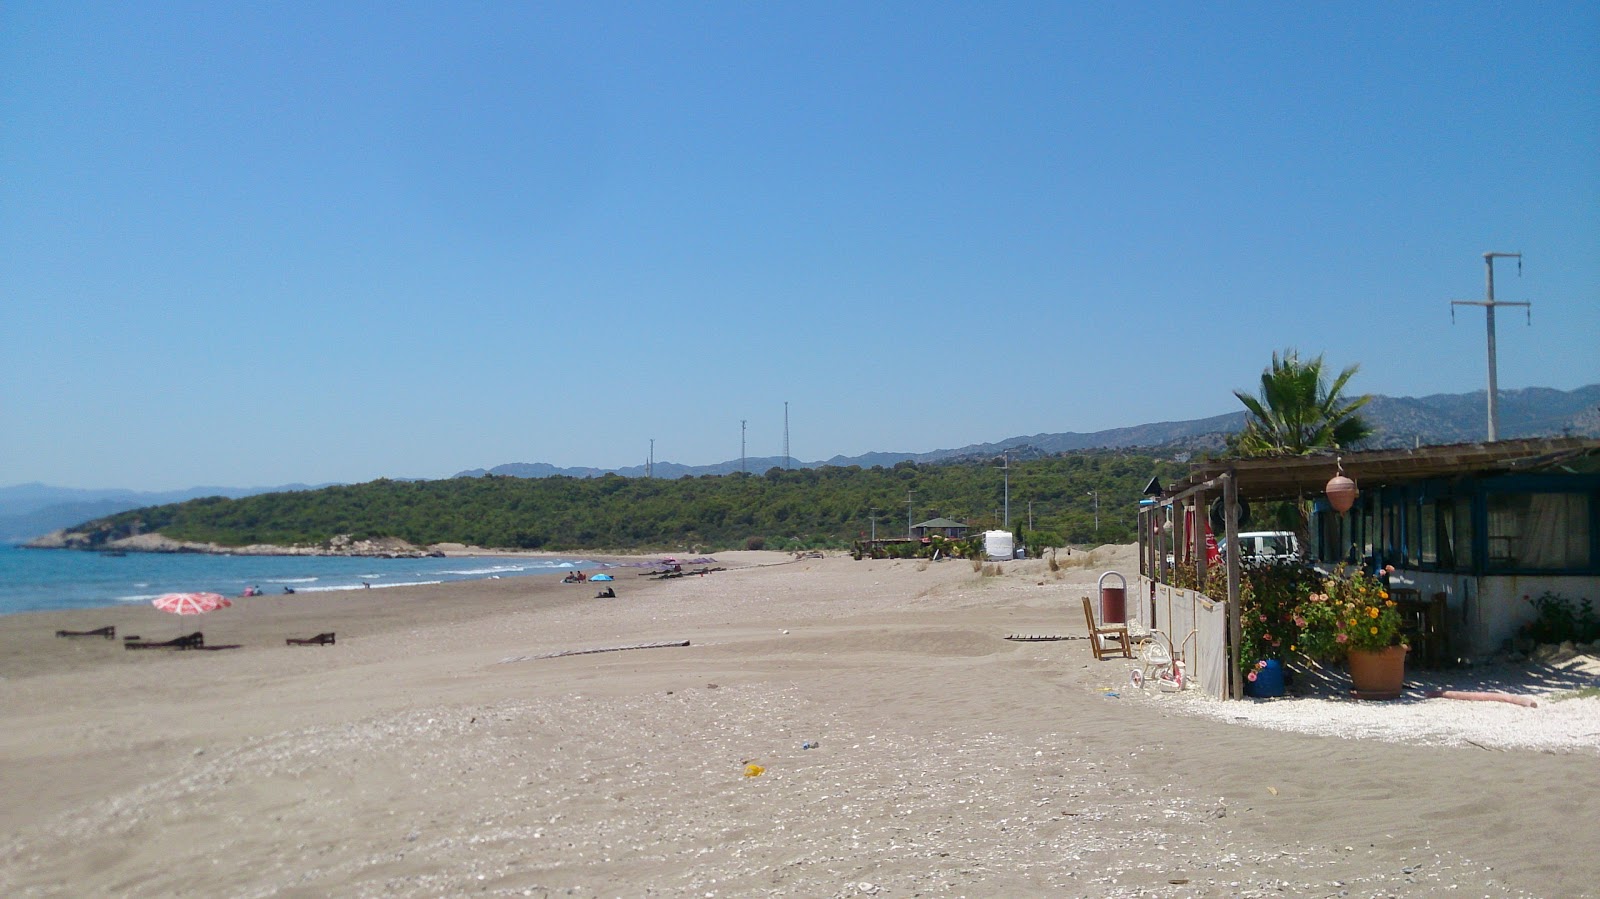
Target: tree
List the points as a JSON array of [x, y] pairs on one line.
[[1297, 413]]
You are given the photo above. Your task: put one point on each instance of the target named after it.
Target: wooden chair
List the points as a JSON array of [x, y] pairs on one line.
[[318, 640], [1423, 623], [1107, 640]]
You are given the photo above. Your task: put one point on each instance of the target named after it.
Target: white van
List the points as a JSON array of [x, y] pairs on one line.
[[1268, 546]]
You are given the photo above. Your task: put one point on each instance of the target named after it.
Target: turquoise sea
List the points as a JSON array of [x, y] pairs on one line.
[[47, 579]]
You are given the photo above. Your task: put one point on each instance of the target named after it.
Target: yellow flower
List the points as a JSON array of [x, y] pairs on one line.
[[1390, 603], [1372, 611], [1383, 594], [1352, 622], [1374, 631]]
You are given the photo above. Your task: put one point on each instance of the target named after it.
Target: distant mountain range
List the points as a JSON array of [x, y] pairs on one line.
[[28, 510], [1442, 418]]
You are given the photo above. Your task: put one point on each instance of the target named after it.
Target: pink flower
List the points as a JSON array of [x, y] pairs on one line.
[[1251, 676], [1299, 621], [1341, 638], [1263, 617]]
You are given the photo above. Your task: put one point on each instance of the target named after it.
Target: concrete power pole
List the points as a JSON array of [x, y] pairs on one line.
[[1005, 467], [1488, 303]]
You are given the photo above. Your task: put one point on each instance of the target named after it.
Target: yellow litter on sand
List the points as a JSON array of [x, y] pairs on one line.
[[754, 770]]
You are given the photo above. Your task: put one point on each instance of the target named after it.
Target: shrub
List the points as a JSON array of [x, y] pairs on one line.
[[755, 543], [1556, 620]]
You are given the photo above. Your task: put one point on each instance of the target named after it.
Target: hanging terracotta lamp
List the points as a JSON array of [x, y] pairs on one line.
[[1341, 491]]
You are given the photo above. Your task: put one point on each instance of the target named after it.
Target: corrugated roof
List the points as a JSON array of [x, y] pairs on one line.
[[1286, 477], [940, 523]]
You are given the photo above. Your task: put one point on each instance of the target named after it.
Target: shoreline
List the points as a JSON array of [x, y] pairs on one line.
[[413, 759]]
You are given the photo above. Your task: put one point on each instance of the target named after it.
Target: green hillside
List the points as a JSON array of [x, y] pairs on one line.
[[802, 508]]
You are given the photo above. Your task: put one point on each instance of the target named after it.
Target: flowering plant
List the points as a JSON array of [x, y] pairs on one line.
[[1269, 594], [1353, 611]]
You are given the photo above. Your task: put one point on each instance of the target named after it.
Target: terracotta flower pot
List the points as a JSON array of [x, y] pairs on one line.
[[1378, 673]]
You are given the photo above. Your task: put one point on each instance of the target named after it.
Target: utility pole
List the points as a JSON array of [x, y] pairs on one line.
[[785, 435], [1488, 303], [650, 463], [908, 513], [873, 515], [1030, 515], [741, 445], [1005, 467], [1096, 495]]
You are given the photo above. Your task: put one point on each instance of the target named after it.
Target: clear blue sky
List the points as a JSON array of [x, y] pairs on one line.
[[268, 243]]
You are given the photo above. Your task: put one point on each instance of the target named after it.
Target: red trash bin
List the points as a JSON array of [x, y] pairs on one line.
[[1113, 600]]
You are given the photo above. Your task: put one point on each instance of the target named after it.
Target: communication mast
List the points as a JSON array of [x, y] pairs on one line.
[[785, 435]]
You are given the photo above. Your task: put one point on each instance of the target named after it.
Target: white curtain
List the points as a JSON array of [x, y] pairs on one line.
[[1556, 531]]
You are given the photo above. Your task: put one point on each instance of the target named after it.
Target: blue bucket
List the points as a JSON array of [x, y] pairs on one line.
[[1268, 682]]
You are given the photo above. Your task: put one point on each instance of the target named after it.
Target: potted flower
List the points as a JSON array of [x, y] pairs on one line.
[[1353, 618], [1269, 595]]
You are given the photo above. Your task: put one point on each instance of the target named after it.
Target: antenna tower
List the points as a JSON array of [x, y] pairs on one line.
[[785, 435]]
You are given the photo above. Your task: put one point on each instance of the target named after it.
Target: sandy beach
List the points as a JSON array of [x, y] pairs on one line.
[[432, 752]]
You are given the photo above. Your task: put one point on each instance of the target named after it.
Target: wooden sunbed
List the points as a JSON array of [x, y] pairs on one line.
[[318, 640], [196, 640], [109, 632]]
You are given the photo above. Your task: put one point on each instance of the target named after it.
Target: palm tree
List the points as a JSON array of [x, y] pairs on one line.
[[1297, 414]]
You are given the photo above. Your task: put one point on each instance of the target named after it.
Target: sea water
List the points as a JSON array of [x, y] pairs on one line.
[[48, 579]]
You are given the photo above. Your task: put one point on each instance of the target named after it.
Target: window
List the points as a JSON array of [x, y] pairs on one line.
[[1413, 533], [1538, 530], [1445, 523], [1461, 532], [1429, 545]]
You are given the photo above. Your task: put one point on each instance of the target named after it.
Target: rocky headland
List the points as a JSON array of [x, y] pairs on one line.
[[341, 545]]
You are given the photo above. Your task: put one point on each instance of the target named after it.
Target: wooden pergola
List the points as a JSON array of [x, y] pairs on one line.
[[1304, 477]]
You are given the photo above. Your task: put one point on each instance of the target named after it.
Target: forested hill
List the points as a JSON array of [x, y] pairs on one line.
[[801, 508]]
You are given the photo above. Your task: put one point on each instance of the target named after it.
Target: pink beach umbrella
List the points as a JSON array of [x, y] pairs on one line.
[[191, 603]]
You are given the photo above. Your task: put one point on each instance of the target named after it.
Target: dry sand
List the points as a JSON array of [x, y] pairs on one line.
[[410, 760]]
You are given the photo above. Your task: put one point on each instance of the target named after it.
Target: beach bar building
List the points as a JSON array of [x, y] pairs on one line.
[[943, 527], [1472, 531]]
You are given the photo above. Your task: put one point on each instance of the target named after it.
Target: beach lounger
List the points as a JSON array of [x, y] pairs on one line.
[[109, 632], [195, 640], [1106, 640], [318, 640]]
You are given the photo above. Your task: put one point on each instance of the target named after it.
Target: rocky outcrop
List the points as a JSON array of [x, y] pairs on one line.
[[341, 545]]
